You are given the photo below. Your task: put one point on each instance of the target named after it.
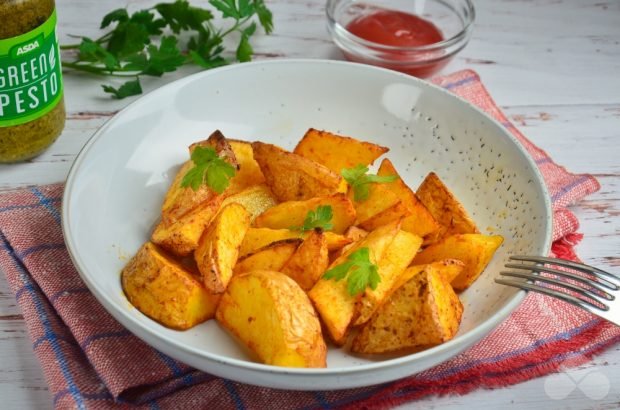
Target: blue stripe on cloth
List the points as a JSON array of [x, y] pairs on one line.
[[152, 395], [88, 396], [460, 82], [176, 370], [30, 206], [320, 397], [234, 394], [53, 338], [544, 160], [122, 333], [46, 337], [44, 247], [364, 394], [564, 190], [47, 203], [559, 336], [508, 124], [153, 405], [67, 292]]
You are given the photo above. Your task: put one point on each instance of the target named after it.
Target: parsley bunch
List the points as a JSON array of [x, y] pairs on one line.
[[208, 168], [321, 218], [359, 179], [147, 42], [360, 271]]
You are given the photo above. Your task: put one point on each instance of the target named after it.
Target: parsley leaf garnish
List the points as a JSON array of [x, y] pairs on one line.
[[360, 271], [359, 179], [135, 44], [208, 168], [321, 218]]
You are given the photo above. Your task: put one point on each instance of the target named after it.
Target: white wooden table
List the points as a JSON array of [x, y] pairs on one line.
[[552, 65]]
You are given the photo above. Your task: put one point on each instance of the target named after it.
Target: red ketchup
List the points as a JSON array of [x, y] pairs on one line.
[[397, 28]]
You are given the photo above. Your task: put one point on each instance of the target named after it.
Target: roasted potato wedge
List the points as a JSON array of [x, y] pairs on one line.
[[274, 318], [293, 213], [422, 313], [218, 248], [179, 200], [181, 236], [474, 250], [379, 199], [248, 172], [393, 263], [271, 257], [292, 177], [445, 208], [419, 220], [336, 151], [256, 238], [255, 199], [309, 261], [336, 307], [164, 290]]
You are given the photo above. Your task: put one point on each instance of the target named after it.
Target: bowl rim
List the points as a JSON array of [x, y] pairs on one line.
[[461, 35], [128, 321]]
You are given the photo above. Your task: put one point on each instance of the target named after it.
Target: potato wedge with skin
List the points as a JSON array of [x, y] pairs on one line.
[[419, 220], [248, 172], [274, 318], [255, 199], [293, 213], [474, 250], [337, 151], [181, 236], [422, 313], [179, 200], [448, 268], [354, 234], [256, 238], [309, 262], [292, 177], [393, 263], [164, 290], [379, 199], [445, 208], [218, 248], [393, 213], [271, 257], [336, 307]]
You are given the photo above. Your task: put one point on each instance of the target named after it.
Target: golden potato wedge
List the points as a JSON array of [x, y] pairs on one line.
[[336, 151], [293, 213], [274, 318], [354, 234], [255, 199], [271, 257], [256, 238], [179, 200], [474, 250], [292, 177], [419, 220], [181, 236], [379, 199], [309, 261], [445, 208], [164, 290], [218, 248], [393, 213], [248, 172], [422, 313], [393, 263], [336, 307]]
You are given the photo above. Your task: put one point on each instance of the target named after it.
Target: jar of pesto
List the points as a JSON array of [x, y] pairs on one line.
[[32, 111]]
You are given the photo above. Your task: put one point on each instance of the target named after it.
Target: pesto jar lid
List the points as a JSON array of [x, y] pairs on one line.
[[32, 113]]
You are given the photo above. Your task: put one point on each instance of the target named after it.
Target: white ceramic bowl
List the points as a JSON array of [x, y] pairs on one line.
[[116, 186]]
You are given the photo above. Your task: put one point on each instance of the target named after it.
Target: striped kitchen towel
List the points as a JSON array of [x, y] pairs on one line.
[[91, 361]]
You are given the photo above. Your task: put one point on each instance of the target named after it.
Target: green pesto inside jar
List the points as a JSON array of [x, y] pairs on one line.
[[31, 133]]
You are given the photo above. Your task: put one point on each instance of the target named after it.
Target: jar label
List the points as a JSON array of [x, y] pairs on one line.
[[30, 74]]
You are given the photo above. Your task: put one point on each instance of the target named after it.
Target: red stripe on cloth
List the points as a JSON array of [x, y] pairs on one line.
[[104, 366]]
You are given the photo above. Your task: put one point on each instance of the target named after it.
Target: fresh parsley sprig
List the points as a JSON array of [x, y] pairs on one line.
[[320, 218], [147, 42], [208, 168], [359, 271], [359, 179]]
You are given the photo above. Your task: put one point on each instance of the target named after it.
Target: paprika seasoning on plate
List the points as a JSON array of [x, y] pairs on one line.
[[32, 112]]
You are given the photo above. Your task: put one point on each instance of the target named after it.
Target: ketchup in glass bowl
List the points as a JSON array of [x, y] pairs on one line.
[[417, 37]]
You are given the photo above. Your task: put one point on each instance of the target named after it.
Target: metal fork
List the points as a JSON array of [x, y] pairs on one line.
[[597, 291]]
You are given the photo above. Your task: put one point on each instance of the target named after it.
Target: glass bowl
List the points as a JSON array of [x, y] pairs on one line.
[[453, 18]]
